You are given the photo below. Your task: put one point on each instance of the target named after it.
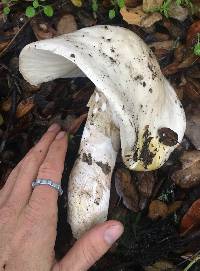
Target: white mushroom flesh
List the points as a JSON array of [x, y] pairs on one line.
[[90, 178]]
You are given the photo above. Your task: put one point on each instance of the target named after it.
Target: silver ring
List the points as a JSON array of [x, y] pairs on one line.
[[49, 183]]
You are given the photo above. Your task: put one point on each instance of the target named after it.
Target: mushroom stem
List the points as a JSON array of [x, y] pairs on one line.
[[89, 183]]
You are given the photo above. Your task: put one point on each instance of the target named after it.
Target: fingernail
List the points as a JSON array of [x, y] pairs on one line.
[[54, 127], [113, 233], [60, 135]]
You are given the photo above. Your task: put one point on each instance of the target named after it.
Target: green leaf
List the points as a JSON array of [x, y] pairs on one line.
[[30, 12], [197, 46], [6, 10], [112, 14], [94, 5], [179, 2], [121, 3], [197, 49], [48, 10], [36, 4]]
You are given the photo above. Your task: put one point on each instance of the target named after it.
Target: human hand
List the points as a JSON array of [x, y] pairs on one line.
[[28, 219]]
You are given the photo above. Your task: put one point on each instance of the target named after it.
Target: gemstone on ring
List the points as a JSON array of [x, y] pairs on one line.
[[49, 183]]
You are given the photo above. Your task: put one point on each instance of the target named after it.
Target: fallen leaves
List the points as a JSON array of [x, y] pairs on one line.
[[150, 5], [161, 266], [189, 175], [66, 24], [157, 209], [42, 29], [126, 189], [192, 33], [138, 17], [192, 218], [145, 185], [24, 107], [133, 15], [193, 124], [178, 12]]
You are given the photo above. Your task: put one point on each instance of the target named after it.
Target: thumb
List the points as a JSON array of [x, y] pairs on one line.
[[90, 247]]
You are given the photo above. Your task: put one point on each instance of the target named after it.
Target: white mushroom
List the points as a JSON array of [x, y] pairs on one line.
[[133, 104]]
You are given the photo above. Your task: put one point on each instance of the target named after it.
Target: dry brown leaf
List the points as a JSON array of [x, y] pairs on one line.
[[176, 65], [146, 182], [178, 12], [66, 24], [173, 207], [192, 33], [132, 3], [194, 72], [180, 53], [24, 107], [170, 69], [138, 17], [157, 209], [6, 105], [192, 218], [3, 45], [193, 124], [165, 45], [189, 175], [149, 5], [42, 30], [133, 15], [192, 92], [188, 61], [151, 19], [28, 88], [161, 36], [161, 266], [126, 189]]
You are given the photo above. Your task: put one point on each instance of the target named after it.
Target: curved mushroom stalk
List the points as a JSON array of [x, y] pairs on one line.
[[142, 109], [89, 183]]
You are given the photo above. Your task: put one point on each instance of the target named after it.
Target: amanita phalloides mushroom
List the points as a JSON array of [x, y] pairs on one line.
[[133, 104]]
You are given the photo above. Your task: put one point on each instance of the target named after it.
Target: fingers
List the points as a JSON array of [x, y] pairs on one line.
[[44, 198], [93, 245], [29, 167], [7, 188]]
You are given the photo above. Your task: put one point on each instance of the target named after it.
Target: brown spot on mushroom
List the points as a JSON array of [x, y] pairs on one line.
[[151, 68], [105, 167], [139, 77], [112, 59], [87, 158], [146, 156], [72, 55], [167, 136]]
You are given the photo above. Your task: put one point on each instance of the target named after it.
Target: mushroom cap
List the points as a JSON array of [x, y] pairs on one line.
[[126, 71]]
